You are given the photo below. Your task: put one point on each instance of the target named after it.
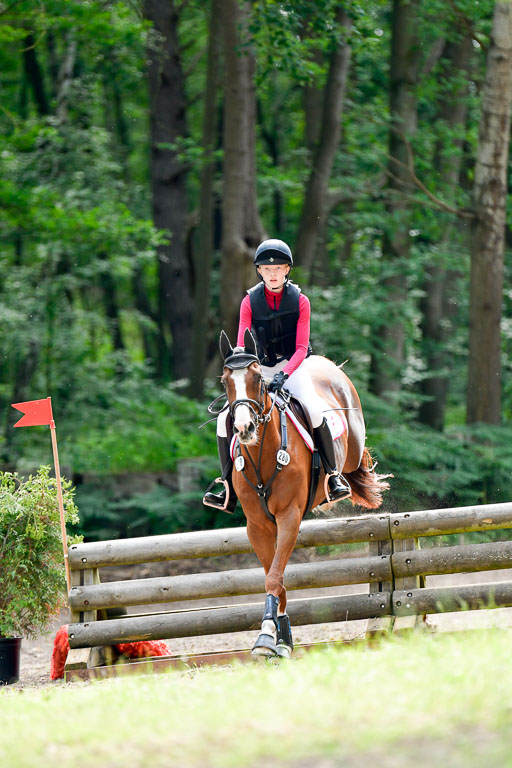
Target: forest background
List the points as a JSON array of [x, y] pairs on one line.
[[148, 147]]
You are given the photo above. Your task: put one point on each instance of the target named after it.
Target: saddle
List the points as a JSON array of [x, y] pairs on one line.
[[299, 416]]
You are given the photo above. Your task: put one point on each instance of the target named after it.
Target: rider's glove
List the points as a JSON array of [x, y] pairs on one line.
[[277, 383]]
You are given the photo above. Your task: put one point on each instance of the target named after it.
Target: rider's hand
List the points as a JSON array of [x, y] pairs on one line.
[[277, 383]]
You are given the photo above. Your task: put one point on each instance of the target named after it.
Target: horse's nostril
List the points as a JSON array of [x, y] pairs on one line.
[[235, 430]]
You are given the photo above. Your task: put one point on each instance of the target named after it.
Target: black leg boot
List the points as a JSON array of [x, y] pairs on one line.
[[226, 499], [337, 487]]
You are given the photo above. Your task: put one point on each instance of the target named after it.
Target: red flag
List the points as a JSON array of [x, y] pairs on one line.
[[37, 412]]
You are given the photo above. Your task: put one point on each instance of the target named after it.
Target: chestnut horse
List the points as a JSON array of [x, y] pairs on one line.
[[257, 424]]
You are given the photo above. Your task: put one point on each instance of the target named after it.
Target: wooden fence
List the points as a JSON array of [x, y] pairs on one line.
[[395, 568]]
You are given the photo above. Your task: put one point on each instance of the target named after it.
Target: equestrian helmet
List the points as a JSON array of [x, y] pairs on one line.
[[273, 252]]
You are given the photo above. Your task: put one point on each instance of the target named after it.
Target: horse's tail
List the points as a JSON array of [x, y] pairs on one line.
[[367, 486]]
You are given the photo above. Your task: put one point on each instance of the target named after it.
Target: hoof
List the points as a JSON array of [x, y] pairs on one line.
[[283, 651], [264, 646]]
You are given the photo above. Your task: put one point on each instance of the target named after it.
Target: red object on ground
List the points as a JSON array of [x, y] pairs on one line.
[[37, 412], [60, 653], [144, 648], [138, 650]]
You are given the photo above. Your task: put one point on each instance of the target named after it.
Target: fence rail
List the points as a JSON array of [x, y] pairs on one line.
[[395, 569]]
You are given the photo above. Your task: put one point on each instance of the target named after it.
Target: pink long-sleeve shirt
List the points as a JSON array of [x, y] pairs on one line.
[[303, 323]]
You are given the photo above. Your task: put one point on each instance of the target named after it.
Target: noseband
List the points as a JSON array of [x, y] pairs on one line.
[[255, 406]]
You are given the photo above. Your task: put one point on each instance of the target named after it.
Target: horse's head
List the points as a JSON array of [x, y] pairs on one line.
[[244, 386]]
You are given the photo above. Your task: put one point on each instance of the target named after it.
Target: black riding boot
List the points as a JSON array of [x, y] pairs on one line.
[[218, 500], [337, 486]]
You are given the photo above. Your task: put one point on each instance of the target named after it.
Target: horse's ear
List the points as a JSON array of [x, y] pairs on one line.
[[249, 343], [225, 346]]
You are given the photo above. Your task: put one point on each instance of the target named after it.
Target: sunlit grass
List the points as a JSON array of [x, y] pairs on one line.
[[339, 704]]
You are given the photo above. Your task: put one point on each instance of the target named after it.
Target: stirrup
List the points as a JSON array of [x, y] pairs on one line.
[[343, 481], [223, 507]]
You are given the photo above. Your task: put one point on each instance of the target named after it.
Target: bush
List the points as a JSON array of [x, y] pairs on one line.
[[32, 573]]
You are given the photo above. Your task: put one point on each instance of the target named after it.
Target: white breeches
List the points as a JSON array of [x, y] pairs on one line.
[[300, 385]]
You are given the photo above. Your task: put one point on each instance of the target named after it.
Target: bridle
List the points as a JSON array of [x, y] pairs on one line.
[[256, 407]]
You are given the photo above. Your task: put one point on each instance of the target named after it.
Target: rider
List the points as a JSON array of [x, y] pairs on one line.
[[278, 315]]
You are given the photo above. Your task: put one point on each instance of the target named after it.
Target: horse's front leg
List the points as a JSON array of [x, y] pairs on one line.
[[262, 535], [275, 606]]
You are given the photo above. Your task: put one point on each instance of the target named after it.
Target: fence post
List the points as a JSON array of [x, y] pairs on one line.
[[383, 624], [406, 623]]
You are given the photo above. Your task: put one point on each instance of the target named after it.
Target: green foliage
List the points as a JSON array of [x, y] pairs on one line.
[[32, 574], [117, 418], [145, 505], [463, 466]]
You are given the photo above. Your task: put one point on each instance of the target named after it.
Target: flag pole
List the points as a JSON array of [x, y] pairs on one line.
[[39, 413], [53, 432]]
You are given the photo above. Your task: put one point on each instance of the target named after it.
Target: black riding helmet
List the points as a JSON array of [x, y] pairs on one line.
[[273, 252]]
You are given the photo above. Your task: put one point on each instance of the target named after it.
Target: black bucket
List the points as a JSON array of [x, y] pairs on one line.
[[10, 651]]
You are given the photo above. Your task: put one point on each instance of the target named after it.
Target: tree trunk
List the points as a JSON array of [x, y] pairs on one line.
[[115, 112], [34, 75], [168, 181], [488, 232], [313, 98], [65, 78], [204, 246], [241, 228], [121, 140], [437, 305], [110, 303], [52, 65], [389, 357], [312, 215]]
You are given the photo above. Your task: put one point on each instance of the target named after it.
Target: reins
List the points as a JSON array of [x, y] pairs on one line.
[[282, 458]]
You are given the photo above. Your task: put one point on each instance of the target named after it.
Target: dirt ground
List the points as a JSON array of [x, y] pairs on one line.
[[36, 654]]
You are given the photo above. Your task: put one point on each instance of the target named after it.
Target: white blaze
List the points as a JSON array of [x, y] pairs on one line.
[[242, 412]]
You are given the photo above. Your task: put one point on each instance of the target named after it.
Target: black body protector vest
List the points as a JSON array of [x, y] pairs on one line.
[[275, 329]]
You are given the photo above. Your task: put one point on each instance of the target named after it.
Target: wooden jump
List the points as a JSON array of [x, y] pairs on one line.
[[395, 569]]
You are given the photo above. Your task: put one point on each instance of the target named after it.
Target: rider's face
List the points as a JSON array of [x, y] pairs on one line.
[[274, 275]]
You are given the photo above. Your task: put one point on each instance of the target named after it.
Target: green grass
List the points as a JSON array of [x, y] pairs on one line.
[[413, 701]]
